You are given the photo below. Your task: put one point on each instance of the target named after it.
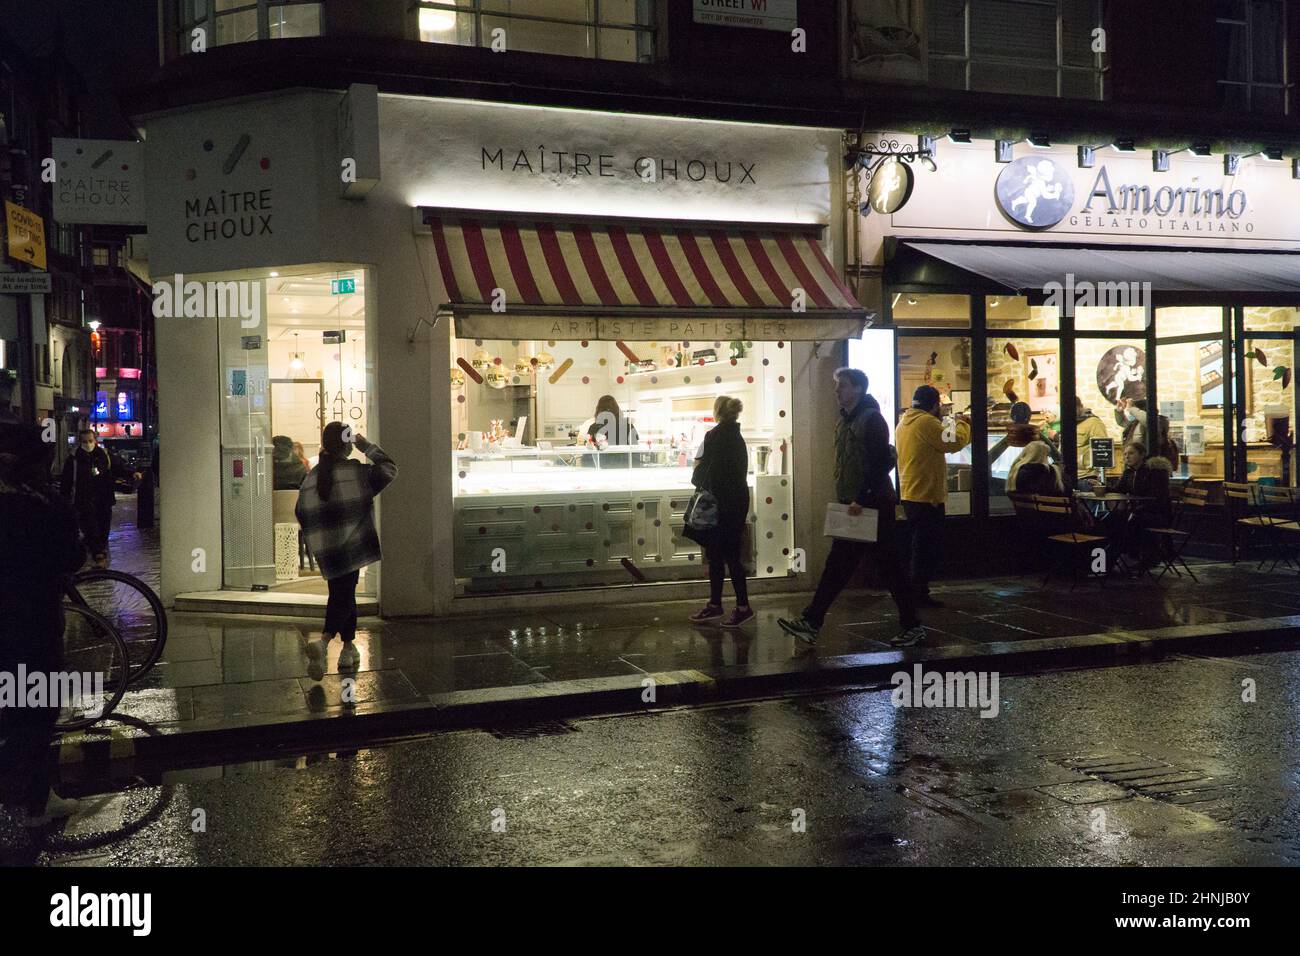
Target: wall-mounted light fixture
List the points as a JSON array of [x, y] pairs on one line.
[[1295, 168], [1231, 162], [1039, 140], [1087, 156], [925, 146], [1124, 146], [1199, 149], [1160, 160], [1002, 150]]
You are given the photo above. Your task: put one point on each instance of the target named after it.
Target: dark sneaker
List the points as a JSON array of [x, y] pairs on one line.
[[710, 612], [913, 635], [801, 628], [738, 617]]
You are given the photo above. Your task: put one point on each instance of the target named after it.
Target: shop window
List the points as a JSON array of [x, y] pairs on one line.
[[602, 29], [1189, 321], [1269, 421], [1271, 319], [572, 463], [1021, 372], [1015, 312], [1191, 384], [928, 310], [1106, 370], [1039, 47], [943, 362], [1116, 318]]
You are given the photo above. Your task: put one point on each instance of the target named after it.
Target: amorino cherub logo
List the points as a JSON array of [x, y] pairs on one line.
[[1035, 192]]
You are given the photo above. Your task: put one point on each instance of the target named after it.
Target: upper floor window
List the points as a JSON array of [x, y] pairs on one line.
[[1034, 47], [101, 255], [239, 21], [601, 29], [1250, 42]]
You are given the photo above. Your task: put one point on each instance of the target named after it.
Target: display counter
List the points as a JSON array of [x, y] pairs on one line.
[[539, 513]]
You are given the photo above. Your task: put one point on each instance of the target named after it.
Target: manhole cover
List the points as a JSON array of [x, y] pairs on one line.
[[545, 728], [1154, 778]]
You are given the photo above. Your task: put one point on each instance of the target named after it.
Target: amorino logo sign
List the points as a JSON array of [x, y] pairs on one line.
[[1037, 192]]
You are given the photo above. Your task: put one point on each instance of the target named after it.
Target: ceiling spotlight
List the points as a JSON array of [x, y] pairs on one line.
[[1002, 150], [1273, 154], [1124, 146], [1040, 140], [959, 136], [1199, 149], [911, 300], [275, 275], [1087, 157], [994, 302]]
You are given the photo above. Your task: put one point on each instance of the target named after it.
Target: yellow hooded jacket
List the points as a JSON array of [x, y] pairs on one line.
[[922, 469]]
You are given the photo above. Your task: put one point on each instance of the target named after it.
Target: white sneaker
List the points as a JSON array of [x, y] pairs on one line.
[[316, 656], [349, 657], [56, 808]]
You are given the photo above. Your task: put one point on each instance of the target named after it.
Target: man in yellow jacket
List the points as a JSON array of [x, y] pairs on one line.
[[923, 440]]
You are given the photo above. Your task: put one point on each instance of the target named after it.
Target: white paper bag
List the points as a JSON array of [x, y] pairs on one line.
[[841, 524]]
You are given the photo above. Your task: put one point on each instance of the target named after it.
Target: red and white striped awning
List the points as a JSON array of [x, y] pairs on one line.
[[560, 265]]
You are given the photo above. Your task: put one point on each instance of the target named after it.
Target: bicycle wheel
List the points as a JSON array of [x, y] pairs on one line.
[[132, 608], [95, 669]]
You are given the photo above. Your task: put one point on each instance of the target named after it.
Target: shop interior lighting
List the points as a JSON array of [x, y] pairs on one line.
[[1039, 140], [959, 136], [436, 21]]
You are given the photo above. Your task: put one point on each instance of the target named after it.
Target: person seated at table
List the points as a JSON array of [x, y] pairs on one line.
[[1145, 477], [1034, 474]]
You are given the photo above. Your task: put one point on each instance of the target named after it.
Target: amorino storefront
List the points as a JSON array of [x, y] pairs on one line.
[[1016, 272]]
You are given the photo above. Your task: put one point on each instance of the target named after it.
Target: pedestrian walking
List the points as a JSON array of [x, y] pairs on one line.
[[924, 438], [863, 461], [336, 510], [87, 482], [721, 470], [39, 549]]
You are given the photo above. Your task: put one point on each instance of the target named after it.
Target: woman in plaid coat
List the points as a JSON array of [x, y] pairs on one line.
[[337, 513]]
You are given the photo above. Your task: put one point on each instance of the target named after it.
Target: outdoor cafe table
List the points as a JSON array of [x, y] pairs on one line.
[[1113, 511]]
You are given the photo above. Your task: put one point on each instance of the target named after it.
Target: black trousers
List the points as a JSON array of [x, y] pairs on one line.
[[95, 519], [724, 557], [341, 608], [26, 732], [925, 546], [843, 561]]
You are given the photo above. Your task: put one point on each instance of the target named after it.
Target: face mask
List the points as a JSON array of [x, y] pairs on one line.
[[1130, 414], [87, 446]]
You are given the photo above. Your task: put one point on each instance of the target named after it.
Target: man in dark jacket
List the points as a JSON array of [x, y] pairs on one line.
[[88, 484], [38, 550], [863, 461]]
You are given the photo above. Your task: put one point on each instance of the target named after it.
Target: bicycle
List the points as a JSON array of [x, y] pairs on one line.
[[134, 610], [95, 669]]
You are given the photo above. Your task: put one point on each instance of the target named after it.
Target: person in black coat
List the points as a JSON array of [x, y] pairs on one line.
[[722, 470], [287, 471], [88, 483], [39, 549]]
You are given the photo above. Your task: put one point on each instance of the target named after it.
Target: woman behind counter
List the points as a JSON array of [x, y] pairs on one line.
[[609, 426]]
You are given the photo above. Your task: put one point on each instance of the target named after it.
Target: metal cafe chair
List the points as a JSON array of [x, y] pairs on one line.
[[1172, 541], [1027, 526], [1248, 517], [1060, 523], [1284, 503]]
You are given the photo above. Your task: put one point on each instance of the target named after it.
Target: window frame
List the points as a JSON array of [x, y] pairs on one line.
[[595, 24], [208, 20], [968, 59], [1250, 84]]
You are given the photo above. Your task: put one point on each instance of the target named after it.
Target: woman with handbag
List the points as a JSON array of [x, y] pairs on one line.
[[717, 513]]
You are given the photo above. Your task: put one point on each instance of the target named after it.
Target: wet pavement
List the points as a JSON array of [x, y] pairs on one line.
[[1149, 764], [235, 671]]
